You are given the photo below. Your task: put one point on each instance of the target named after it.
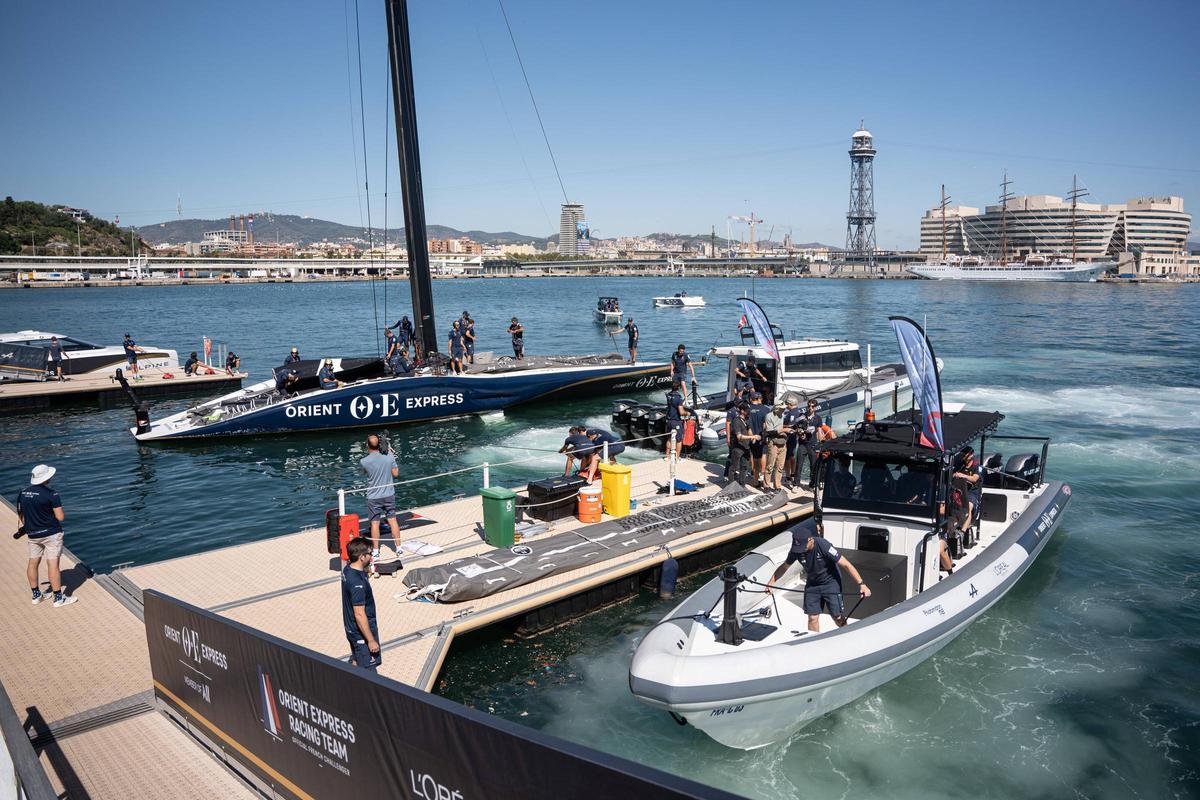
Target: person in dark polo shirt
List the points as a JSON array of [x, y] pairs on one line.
[[823, 566], [40, 517], [358, 606]]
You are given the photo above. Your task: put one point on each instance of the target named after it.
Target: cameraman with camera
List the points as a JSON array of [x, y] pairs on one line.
[[381, 469], [40, 517]]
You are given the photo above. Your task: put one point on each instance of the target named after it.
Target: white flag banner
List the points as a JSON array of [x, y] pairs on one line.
[[918, 358]]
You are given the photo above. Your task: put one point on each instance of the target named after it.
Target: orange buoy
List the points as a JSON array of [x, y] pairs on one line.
[[590, 504]]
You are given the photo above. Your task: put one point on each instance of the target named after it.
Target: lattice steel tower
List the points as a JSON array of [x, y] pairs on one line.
[[860, 219]]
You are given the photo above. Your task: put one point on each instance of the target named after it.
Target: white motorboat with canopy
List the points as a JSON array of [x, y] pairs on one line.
[[741, 664], [25, 355]]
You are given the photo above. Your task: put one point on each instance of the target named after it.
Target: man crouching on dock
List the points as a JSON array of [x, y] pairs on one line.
[[823, 566]]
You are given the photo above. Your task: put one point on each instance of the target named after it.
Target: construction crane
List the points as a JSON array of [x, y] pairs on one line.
[[751, 221]]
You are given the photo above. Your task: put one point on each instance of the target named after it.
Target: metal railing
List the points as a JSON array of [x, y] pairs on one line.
[[486, 468], [29, 778]]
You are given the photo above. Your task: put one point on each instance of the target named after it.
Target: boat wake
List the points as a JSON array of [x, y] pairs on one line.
[[1161, 407]]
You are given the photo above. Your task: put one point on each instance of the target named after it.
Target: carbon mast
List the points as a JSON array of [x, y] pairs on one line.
[[408, 149]]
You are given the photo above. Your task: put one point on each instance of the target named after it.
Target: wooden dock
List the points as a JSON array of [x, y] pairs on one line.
[[105, 392], [80, 678]]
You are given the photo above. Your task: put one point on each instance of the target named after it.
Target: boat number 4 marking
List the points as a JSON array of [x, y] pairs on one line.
[[716, 712]]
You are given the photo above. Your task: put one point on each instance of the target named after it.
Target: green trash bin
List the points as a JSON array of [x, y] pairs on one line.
[[499, 513]]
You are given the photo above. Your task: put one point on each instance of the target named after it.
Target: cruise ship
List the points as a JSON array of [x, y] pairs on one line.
[[1031, 268]]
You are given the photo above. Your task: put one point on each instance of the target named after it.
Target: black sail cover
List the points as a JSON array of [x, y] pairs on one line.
[[497, 570]]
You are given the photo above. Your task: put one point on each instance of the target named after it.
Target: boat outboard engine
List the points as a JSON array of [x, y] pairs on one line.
[[656, 425], [620, 412], [638, 421], [1024, 467]]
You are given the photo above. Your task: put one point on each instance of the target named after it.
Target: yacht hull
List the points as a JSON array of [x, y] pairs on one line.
[[256, 410]]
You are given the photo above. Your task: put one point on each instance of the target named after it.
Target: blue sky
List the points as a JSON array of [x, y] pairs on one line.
[[663, 115]]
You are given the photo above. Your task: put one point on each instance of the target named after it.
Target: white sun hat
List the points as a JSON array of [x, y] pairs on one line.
[[42, 473]]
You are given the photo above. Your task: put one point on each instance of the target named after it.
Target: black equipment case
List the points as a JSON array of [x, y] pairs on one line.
[[552, 498]]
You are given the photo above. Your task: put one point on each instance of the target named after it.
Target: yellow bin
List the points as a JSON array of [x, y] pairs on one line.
[[615, 483]]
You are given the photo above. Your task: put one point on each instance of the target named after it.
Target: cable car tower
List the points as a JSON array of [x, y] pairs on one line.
[[860, 219]]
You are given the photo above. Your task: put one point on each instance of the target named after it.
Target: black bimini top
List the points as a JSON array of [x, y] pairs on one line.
[[897, 436]]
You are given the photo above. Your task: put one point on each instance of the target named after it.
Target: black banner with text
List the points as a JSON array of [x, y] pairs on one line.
[[311, 726]]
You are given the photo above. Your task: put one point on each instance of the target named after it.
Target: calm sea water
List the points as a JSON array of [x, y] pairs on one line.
[[1080, 683]]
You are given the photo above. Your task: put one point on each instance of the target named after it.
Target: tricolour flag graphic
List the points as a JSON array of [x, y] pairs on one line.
[[270, 712], [917, 353]]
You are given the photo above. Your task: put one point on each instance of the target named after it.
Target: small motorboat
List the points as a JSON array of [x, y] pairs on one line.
[[608, 311], [742, 666], [24, 355], [751, 667], [679, 300]]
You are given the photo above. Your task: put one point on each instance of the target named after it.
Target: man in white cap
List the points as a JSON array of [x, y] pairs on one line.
[[40, 516]]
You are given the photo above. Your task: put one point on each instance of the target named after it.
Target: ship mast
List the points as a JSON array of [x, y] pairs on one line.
[[945, 200], [1076, 193], [1005, 196], [403, 98]]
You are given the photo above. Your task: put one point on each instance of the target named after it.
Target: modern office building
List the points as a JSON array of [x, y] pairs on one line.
[[573, 236], [1144, 236]]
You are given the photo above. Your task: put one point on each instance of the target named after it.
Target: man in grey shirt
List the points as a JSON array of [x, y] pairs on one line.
[[381, 494]]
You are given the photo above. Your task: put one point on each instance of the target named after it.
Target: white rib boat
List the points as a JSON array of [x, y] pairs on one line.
[[766, 676], [680, 300]]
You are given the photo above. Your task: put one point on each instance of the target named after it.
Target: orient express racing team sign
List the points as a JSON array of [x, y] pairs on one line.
[[382, 406], [308, 726]]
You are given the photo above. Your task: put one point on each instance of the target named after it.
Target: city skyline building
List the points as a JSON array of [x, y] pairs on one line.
[[1145, 235], [573, 235]]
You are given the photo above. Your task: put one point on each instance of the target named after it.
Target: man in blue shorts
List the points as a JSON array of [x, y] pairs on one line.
[[381, 472], [823, 566], [131, 355], [601, 437], [358, 607]]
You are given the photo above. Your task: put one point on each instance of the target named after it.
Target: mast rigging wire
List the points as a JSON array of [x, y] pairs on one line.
[[529, 88], [362, 121]]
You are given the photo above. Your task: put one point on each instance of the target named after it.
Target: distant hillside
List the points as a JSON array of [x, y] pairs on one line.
[[306, 230], [26, 226]]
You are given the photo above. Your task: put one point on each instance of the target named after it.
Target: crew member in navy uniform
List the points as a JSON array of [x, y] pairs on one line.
[[745, 374], [391, 349], [358, 607], [233, 362], [517, 331], [326, 378], [293, 357], [756, 417], [791, 424], [285, 382], [740, 438], [404, 331], [469, 338], [968, 479], [600, 437], [401, 366], [632, 330], [578, 445], [131, 355], [454, 343], [676, 411], [681, 365], [823, 566], [40, 517], [192, 365], [57, 354], [810, 422]]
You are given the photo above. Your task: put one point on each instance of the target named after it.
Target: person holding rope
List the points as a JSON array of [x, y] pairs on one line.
[[517, 331], [823, 566]]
